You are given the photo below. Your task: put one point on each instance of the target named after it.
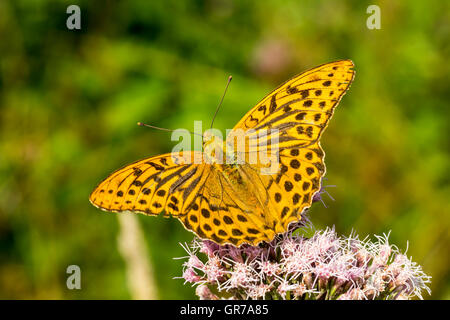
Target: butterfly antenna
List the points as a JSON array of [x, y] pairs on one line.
[[163, 129], [221, 100]]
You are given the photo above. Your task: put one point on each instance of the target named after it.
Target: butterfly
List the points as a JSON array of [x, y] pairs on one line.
[[234, 203]]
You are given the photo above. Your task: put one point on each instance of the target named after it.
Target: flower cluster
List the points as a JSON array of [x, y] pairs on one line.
[[292, 266]]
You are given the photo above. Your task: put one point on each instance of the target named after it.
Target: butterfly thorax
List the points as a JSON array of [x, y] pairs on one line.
[[216, 152], [224, 159], [212, 148]]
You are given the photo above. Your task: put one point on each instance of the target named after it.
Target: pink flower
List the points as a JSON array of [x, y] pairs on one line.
[[190, 276], [242, 276], [285, 287], [268, 268], [252, 252], [324, 266], [213, 269], [209, 247], [204, 293], [353, 294], [259, 291], [194, 262]]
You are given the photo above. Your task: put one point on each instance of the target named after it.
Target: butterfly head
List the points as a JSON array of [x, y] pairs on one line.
[[212, 146], [208, 137]]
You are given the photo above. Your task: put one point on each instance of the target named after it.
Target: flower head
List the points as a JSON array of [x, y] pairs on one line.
[[324, 266]]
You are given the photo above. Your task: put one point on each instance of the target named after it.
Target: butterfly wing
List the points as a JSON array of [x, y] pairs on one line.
[[167, 183], [297, 112]]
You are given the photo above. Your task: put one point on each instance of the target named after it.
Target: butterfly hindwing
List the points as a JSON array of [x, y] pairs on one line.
[[223, 213]]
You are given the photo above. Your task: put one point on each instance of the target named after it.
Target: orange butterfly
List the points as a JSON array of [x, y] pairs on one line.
[[233, 202]]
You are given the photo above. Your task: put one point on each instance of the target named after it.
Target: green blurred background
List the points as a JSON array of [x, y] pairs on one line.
[[70, 101]]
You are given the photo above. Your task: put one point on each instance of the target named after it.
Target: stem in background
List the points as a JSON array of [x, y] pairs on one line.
[[139, 272]]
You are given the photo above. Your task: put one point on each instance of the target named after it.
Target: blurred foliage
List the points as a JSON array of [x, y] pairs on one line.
[[70, 101]]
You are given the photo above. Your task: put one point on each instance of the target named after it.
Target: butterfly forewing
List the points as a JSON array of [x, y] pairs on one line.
[[318, 89], [154, 185], [223, 213]]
